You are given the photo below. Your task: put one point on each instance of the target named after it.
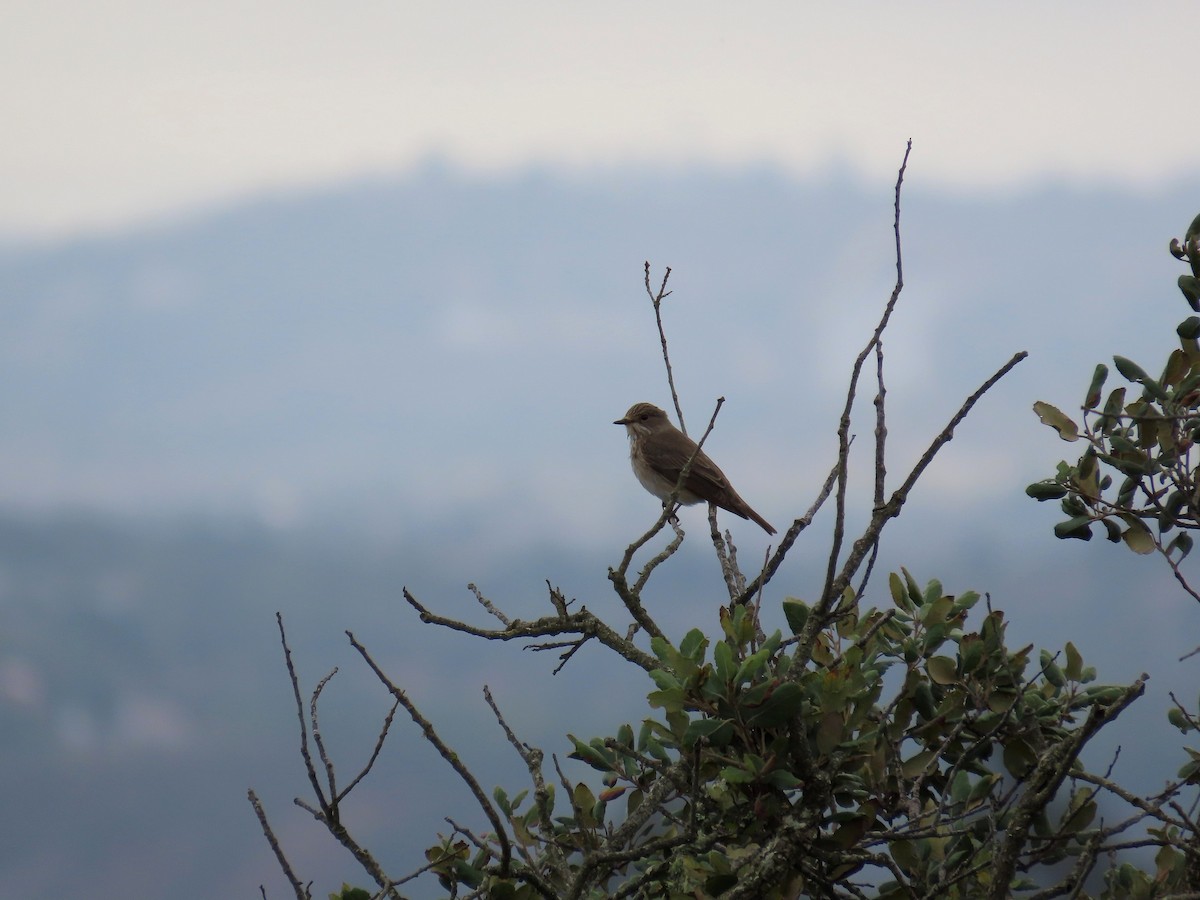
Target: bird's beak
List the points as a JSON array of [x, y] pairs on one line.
[[621, 422]]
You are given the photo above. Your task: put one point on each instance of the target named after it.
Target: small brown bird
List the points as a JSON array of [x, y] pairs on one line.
[[658, 452]]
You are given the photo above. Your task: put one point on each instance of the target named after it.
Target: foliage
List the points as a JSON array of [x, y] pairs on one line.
[[1137, 477], [754, 742]]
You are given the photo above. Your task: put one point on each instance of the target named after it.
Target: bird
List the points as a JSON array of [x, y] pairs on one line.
[[658, 451]]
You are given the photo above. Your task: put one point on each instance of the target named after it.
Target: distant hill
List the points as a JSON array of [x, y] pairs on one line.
[[441, 343]]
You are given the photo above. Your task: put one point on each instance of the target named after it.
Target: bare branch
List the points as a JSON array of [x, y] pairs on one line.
[[447, 754], [839, 525], [785, 544], [302, 891], [582, 622], [657, 300], [488, 605], [330, 778], [304, 752], [383, 733]]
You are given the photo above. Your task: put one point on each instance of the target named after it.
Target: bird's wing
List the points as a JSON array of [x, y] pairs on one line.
[[704, 479]]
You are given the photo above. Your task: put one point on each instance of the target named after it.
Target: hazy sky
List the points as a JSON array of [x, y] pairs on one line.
[[115, 110]]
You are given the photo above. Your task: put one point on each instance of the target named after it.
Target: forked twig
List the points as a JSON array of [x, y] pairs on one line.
[[839, 524], [303, 892], [447, 754], [657, 300]]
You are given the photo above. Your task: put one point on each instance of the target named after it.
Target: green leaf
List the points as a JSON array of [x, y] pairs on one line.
[[693, 645], [1074, 668], [1181, 544], [598, 758], [783, 779], [924, 702], [1098, 378], [966, 600], [670, 700], [796, 613], [914, 590], [1046, 490], [942, 669], [736, 775], [915, 765], [716, 730], [501, 799], [933, 592], [724, 661], [1112, 529], [960, 788], [1138, 537], [665, 680], [899, 593], [1050, 669], [1189, 328], [1190, 772], [1115, 402], [1189, 286], [1081, 817], [783, 704], [1019, 758], [829, 732], [662, 648], [982, 788], [752, 666], [1077, 528], [1130, 370], [1056, 419]]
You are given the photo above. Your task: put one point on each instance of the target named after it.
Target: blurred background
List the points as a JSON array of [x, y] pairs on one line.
[[302, 303]]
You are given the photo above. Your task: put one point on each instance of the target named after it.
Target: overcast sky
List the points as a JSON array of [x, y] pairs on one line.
[[118, 110]]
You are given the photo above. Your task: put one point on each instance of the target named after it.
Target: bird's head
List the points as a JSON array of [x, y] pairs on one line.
[[644, 418]]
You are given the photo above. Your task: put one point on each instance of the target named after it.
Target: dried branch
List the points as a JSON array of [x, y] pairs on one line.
[[582, 623], [383, 733], [302, 892], [542, 798], [489, 606], [657, 300], [899, 497], [789, 538], [447, 754], [330, 777], [304, 752], [843, 432]]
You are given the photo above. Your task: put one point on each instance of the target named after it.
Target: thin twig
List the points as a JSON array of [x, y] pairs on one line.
[[657, 300], [582, 622], [330, 777], [383, 733], [843, 433], [789, 538], [304, 752], [302, 892], [488, 605]]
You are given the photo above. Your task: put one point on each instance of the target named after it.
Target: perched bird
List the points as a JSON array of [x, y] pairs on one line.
[[658, 452]]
